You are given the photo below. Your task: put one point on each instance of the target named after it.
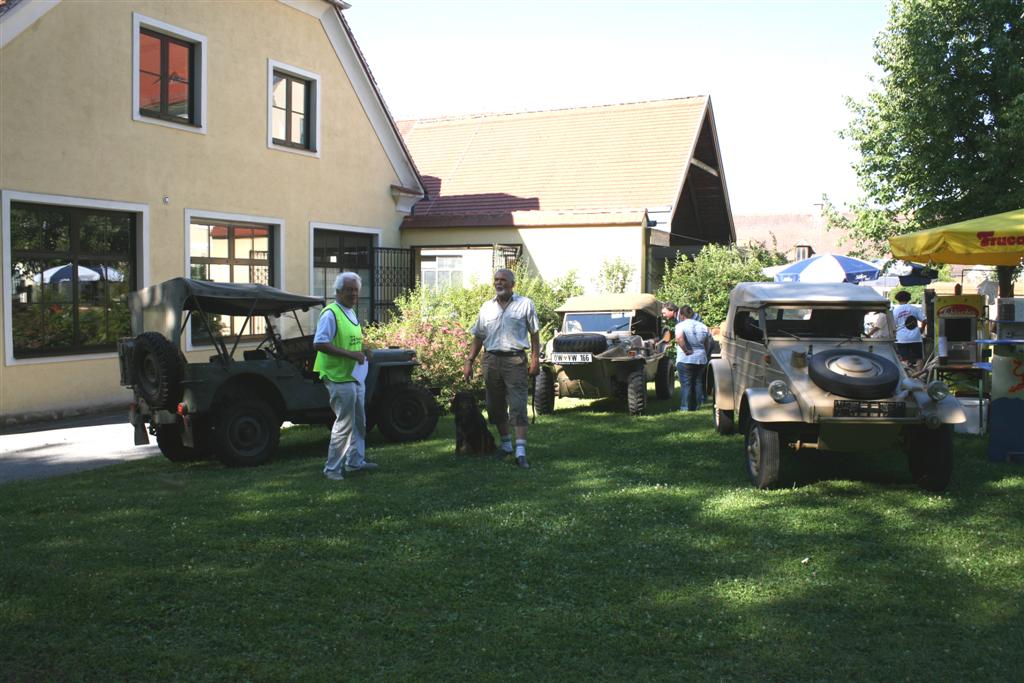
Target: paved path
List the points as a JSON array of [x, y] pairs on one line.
[[65, 446]]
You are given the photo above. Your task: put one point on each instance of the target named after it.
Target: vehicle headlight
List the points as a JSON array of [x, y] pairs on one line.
[[937, 391], [779, 391]]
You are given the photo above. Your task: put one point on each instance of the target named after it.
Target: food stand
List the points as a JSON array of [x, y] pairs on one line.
[[996, 240]]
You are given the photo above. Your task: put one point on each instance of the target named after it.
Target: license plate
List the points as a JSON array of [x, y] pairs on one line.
[[571, 358], [869, 409]]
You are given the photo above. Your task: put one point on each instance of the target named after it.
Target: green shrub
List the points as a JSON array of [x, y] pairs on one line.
[[705, 282], [615, 276]]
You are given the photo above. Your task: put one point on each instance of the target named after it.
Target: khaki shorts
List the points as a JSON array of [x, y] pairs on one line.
[[507, 383]]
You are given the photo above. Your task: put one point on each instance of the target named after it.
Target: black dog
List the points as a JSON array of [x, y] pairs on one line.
[[471, 433]]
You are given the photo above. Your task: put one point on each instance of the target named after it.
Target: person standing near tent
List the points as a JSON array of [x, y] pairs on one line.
[[910, 321]]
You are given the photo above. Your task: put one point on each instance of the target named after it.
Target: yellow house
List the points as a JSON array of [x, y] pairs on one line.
[[570, 189], [230, 141]]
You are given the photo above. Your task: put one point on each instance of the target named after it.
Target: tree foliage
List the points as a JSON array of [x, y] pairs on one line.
[[705, 282], [942, 138], [615, 276]]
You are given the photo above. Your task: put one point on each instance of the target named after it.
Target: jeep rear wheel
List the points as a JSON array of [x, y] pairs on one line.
[[636, 392], [247, 433], [762, 448], [544, 392], [664, 380], [168, 438], [156, 370], [930, 457], [725, 423], [407, 413]]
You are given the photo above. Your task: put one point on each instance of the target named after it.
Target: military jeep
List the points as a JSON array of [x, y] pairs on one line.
[[797, 372], [233, 407], [606, 345]]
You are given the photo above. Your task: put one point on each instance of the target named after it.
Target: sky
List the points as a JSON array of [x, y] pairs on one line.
[[778, 73]]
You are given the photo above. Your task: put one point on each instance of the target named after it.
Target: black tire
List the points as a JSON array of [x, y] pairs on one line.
[[406, 413], [156, 370], [247, 433], [762, 449], [930, 457], [725, 421], [580, 342], [636, 392], [544, 392], [872, 376], [168, 438], [664, 379]]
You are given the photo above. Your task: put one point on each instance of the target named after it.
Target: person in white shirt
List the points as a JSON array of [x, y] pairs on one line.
[[910, 321], [692, 342]]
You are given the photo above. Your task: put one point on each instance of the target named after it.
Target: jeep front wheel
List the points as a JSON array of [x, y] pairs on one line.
[[930, 457], [636, 392], [664, 380], [544, 392], [247, 433], [762, 448], [407, 413]]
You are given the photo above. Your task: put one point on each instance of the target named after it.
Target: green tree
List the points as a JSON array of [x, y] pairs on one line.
[[705, 282], [615, 276], [941, 138]]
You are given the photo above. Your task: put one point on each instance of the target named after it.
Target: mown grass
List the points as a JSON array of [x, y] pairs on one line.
[[634, 549]]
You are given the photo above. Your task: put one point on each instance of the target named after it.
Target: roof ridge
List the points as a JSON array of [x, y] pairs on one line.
[[483, 115]]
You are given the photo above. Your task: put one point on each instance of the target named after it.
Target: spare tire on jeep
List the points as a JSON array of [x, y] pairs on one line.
[[156, 370], [854, 373], [580, 342]]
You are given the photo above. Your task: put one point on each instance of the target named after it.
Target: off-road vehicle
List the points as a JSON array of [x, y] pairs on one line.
[[233, 408], [606, 345], [797, 372]]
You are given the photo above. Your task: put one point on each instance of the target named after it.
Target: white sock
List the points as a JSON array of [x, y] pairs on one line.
[[506, 444], [520, 448]]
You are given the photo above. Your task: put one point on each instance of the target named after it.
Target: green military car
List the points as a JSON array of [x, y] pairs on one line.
[[233, 407], [606, 345]]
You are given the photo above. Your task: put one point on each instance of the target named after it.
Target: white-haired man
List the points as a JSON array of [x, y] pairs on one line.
[[506, 325], [340, 350]]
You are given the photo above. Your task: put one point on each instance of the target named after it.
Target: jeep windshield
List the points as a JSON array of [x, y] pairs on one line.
[[598, 322], [795, 322]]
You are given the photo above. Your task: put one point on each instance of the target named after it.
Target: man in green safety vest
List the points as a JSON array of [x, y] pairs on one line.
[[341, 361]]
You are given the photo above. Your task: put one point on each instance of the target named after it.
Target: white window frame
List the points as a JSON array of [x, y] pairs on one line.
[[139, 22], [316, 96], [141, 261], [277, 264], [423, 259]]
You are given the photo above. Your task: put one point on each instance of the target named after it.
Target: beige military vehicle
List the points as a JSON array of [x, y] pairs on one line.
[[797, 372], [606, 345]]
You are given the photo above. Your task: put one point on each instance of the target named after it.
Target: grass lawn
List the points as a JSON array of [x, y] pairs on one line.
[[633, 549]]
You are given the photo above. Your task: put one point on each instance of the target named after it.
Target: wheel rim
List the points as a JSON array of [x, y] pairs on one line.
[[408, 413], [248, 434], [754, 451], [150, 376]]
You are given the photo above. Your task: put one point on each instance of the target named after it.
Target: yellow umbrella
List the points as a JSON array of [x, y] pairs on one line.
[[996, 240]]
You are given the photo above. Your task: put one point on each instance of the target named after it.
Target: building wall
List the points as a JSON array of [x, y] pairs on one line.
[[786, 231], [68, 131], [552, 251]]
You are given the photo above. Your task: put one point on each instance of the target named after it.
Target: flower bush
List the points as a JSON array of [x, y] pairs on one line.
[[436, 324]]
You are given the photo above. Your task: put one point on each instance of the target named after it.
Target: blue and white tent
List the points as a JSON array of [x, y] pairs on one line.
[[828, 268]]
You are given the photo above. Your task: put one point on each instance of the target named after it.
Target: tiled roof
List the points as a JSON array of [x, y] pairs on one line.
[[615, 158]]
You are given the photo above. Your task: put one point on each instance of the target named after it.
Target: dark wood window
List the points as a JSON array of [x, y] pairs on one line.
[[291, 111], [167, 77], [71, 271], [230, 252], [335, 252]]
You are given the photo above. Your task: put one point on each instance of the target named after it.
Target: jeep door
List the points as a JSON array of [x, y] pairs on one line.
[[746, 357]]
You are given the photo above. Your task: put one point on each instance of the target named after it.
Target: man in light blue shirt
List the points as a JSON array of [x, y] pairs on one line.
[[692, 342]]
